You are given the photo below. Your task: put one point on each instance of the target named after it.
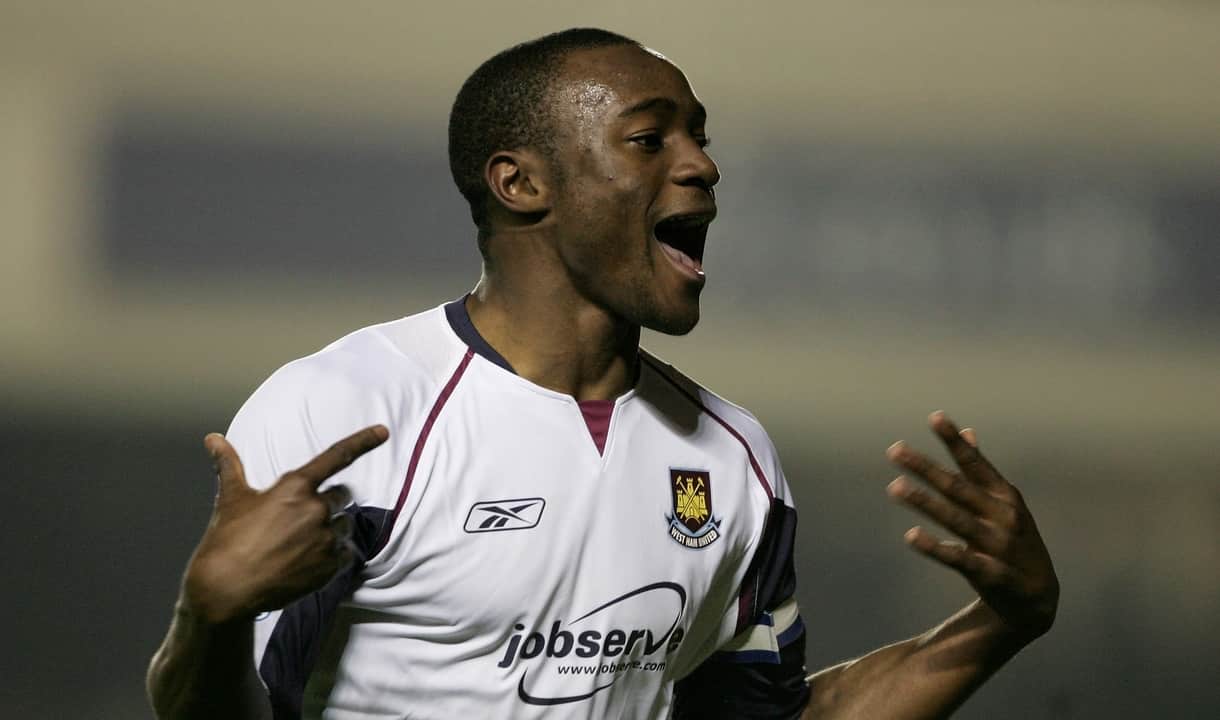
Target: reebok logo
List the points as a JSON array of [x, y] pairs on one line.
[[518, 514]]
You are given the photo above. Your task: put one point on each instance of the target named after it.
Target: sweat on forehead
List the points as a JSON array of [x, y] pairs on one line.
[[592, 79], [615, 65], [513, 100]]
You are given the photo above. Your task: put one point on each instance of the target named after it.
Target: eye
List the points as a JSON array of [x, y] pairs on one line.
[[703, 140], [650, 141]]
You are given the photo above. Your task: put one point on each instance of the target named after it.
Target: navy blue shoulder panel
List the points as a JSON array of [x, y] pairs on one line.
[[297, 638], [729, 689], [771, 577]]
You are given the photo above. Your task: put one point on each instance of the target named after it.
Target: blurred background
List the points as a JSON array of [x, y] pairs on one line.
[[1007, 210]]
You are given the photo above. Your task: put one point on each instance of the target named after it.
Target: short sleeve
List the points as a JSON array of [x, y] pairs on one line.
[[760, 672], [295, 415]]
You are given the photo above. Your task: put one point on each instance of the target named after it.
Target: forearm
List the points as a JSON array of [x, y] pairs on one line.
[[206, 670], [261, 550], [925, 677]]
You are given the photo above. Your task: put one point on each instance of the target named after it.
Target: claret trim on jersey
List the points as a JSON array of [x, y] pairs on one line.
[[419, 448], [758, 472], [589, 612]]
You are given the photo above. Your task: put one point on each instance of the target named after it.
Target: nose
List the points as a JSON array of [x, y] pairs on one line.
[[695, 167]]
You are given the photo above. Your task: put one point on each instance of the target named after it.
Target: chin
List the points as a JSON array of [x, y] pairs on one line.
[[674, 323]]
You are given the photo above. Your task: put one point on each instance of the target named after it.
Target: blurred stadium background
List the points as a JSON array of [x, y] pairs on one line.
[[1008, 210]]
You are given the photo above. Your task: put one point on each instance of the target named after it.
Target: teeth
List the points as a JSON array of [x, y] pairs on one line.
[[682, 258]]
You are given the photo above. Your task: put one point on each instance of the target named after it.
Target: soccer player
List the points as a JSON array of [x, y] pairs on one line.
[[540, 519]]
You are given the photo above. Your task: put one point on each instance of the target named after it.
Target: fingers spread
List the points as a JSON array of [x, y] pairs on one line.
[[342, 454], [965, 453], [980, 569], [952, 484], [950, 515], [230, 476]]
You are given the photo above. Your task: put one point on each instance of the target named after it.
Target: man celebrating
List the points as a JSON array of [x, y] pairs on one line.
[[559, 524]]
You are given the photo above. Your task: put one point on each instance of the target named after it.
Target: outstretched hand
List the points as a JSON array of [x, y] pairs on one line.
[[262, 550], [1002, 555]]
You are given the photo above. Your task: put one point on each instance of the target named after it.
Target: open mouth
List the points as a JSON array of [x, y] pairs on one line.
[[682, 237]]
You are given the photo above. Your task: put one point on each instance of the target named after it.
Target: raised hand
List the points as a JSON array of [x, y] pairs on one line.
[[1001, 553], [262, 550]]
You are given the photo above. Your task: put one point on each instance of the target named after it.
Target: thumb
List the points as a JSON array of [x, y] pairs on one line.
[[230, 476]]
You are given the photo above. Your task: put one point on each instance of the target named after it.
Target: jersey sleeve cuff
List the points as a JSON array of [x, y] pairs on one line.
[[762, 641]]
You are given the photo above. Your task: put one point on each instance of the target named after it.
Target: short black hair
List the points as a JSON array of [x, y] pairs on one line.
[[503, 105]]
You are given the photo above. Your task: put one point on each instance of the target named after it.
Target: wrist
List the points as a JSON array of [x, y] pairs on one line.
[[1003, 638], [210, 596]]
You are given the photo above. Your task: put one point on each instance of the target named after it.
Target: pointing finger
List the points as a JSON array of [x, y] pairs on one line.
[[342, 454], [230, 476], [969, 436]]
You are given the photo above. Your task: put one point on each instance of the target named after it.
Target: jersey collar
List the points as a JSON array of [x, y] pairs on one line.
[[459, 320]]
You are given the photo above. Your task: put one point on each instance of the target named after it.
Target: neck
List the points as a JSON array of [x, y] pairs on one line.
[[555, 338]]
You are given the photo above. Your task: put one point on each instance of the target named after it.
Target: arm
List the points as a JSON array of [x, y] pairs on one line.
[[1002, 557], [205, 669], [927, 676], [260, 551]]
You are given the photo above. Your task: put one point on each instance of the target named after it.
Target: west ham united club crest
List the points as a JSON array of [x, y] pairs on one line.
[[692, 523]]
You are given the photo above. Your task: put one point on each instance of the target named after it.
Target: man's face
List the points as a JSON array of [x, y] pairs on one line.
[[634, 193]]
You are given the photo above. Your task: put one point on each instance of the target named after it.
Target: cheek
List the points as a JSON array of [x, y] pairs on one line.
[[607, 203], [611, 180], [611, 217]]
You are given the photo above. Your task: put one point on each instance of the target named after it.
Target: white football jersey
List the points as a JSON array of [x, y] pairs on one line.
[[526, 555]]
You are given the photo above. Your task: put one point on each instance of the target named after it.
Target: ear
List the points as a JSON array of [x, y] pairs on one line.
[[519, 182]]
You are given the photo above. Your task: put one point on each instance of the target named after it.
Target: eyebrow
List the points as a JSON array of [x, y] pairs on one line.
[[661, 103]]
